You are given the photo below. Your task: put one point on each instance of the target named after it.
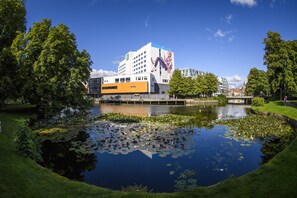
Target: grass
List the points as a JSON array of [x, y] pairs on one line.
[[278, 107], [22, 177]]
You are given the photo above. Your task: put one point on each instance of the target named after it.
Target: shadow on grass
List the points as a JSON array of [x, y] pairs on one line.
[[19, 109]]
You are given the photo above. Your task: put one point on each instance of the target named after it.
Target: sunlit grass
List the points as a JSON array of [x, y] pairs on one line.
[[278, 107]]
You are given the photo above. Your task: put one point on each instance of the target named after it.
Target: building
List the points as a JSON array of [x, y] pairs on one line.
[[94, 87], [193, 73], [223, 85], [147, 70]]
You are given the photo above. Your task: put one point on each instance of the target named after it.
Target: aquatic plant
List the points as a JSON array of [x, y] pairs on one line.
[[257, 126], [136, 188], [119, 117], [186, 180]]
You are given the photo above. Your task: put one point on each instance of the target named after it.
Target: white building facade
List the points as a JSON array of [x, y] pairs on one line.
[[151, 63]]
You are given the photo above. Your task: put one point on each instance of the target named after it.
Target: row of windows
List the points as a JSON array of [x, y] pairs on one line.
[[138, 68], [123, 65], [139, 59], [139, 55], [139, 72], [117, 80], [110, 87]]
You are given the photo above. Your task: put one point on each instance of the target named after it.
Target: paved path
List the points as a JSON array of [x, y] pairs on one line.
[[291, 104]]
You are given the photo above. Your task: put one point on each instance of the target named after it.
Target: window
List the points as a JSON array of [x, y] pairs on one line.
[[144, 52], [127, 79], [144, 71], [109, 87], [116, 80], [144, 60], [145, 78], [165, 80], [144, 56], [139, 78], [122, 79]]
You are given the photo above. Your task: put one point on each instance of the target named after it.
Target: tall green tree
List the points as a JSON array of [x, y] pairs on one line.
[[54, 69], [257, 83], [212, 83], [175, 84], [281, 63], [12, 19]]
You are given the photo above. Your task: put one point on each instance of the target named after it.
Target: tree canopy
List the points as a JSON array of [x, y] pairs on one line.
[[181, 86], [257, 83], [281, 62], [53, 69], [12, 20]]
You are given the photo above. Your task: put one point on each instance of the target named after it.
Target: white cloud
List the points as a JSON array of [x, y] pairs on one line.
[[228, 18], [101, 73], [249, 3], [236, 81], [219, 34], [118, 59], [146, 21]]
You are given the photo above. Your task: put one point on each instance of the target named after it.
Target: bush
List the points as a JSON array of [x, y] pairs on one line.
[[26, 143], [222, 99], [257, 102]]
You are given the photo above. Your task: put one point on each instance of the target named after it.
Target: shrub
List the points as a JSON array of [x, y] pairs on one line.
[[222, 99], [26, 142], [257, 101]]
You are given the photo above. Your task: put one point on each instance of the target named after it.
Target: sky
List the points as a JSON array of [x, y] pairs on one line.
[[224, 37]]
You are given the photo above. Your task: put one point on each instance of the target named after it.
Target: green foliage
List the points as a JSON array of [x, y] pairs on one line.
[[12, 15], [175, 84], [53, 69], [13, 19], [119, 117], [258, 126], [222, 99], [257, 102], [27, 144], [257, 83], [186, 180], [280, 58], [181, 86], [136, 188]]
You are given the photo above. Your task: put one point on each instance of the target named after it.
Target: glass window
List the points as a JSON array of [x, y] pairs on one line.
[[145, 78], [122, 79], [127, 79], [116, 80]]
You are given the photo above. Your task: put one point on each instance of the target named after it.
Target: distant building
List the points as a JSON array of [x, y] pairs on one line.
[[147, 70], [193, 73], [223, 86]]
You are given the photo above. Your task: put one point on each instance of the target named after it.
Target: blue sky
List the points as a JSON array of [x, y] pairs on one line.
[[224, 37]]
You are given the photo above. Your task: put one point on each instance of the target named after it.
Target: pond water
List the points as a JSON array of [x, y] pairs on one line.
[[114, 155]]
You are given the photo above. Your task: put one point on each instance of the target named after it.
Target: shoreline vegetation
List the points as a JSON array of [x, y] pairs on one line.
[[275, 178]]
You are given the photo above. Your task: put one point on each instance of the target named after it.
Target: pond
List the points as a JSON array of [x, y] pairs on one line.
[[161, 157]]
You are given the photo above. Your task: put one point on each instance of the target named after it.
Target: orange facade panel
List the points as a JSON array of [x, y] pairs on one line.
[[127, 87]]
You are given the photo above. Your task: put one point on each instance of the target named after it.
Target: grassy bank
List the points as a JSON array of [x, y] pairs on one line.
[[21, 177], [278, 107]]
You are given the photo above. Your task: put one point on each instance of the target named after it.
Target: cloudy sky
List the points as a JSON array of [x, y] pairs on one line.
[[224, 37]]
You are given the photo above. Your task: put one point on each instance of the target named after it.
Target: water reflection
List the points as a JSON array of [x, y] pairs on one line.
[[59, 157], [113, 155], [149, 139]]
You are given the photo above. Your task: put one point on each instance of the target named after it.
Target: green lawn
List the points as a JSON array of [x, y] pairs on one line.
[[21, 177], [278, 107]]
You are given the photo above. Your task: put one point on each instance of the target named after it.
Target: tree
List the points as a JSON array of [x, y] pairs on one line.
[[54, 69], [12, 15], [280, 58], [175, 87], [13, 19], [212, 83], [257, 83]]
